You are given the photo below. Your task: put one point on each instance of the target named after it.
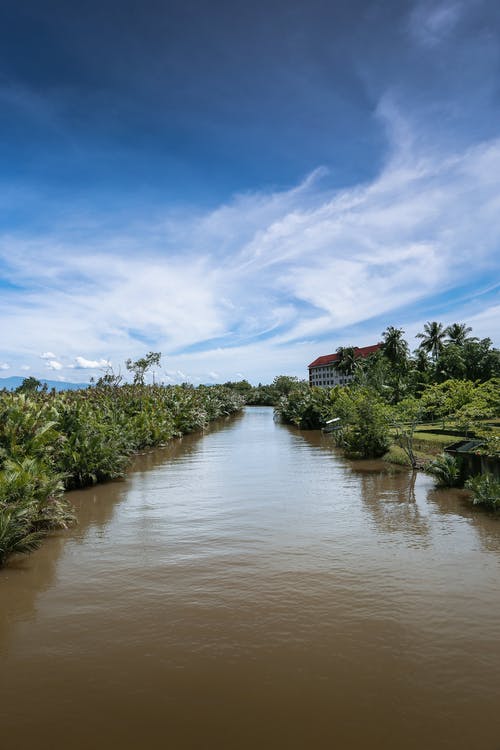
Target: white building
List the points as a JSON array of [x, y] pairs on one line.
[[324, 373]]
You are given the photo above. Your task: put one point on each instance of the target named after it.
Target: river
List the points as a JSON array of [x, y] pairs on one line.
[[251, 588]]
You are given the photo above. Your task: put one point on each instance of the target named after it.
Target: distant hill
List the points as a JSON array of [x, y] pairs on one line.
[[14, 382]]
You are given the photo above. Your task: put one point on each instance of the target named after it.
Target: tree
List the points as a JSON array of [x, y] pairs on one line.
[[458, 333], [108, 380], [29, 385], [395, 349], [283, 384], [482, 361], [394, 346], [347, 359], [365, 420], [451, 363], [432, 338], [407, 415], [142, 365]]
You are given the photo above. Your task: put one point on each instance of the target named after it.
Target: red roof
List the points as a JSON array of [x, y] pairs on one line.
[[330, 359]]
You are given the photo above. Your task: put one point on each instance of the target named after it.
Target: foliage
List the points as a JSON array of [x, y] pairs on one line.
[[458, 333], [30, 385], [485, 491], [365, 431], [446, 471], [442, 400], [394, 346], [143, 365], [406, 416], [482, 361], [16, 534], [491, 442], [432, 338], [265, 395], [347, 360], [364, 418], [304, 407], [58, 441]]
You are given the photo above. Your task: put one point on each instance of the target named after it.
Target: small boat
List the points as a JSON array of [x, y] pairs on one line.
[[332, 425]]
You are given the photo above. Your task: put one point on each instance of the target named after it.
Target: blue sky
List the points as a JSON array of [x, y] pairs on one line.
[[243, 187]]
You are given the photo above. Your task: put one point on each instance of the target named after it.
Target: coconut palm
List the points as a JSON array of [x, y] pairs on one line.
[[432, 338], [394, 346], [346, 362], [457, 333]]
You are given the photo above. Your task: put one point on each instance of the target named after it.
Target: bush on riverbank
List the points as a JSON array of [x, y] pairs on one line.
[[446, 471], [468, 408], [485, 491], [51, 442]]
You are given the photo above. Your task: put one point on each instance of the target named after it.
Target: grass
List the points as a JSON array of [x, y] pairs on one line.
[[431, 437], [396, 455]]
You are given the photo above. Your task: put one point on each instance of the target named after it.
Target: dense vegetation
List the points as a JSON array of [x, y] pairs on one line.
[[449, 387], [51, 442]]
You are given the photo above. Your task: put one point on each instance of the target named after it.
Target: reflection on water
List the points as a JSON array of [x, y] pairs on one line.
[[253, 588]]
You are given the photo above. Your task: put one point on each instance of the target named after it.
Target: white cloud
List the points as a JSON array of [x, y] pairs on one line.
[[262, 283], [4, 366], [54, 365], [25, 368], [486, 323], [91, 364]]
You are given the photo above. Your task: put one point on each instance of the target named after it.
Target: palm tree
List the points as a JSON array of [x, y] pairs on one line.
[[16, 532], [458, 333], [432, 338], [395, 347], [347, 360]]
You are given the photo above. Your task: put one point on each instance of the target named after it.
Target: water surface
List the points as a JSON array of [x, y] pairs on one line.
[[253, 589]]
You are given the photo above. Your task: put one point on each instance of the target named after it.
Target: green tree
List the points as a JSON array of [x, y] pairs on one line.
[[365, 423], [482, 361], [347, 359], [395, 349], [29, 385], [432, 338], [458, 333], [451, 363], [284, 384], [374, 372], [406, 416], [143, 365], [394, 346]]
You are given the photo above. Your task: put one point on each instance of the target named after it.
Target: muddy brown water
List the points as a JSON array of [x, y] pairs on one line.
[[253, 589]]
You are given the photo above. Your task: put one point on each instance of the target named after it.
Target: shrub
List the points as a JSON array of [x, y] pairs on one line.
[[446, 471], [16, 534], [485, 491], [365, 421], [50, 442]]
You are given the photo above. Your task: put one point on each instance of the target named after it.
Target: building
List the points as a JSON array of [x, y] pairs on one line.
[[324, 373]]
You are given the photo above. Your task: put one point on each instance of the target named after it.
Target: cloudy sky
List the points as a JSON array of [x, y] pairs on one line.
[[243, 186]]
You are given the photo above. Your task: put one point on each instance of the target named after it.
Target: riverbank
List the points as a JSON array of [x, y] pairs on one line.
[[54, 442]]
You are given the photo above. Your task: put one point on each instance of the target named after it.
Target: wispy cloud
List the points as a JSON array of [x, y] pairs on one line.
[[267, 273], [431, 22]]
